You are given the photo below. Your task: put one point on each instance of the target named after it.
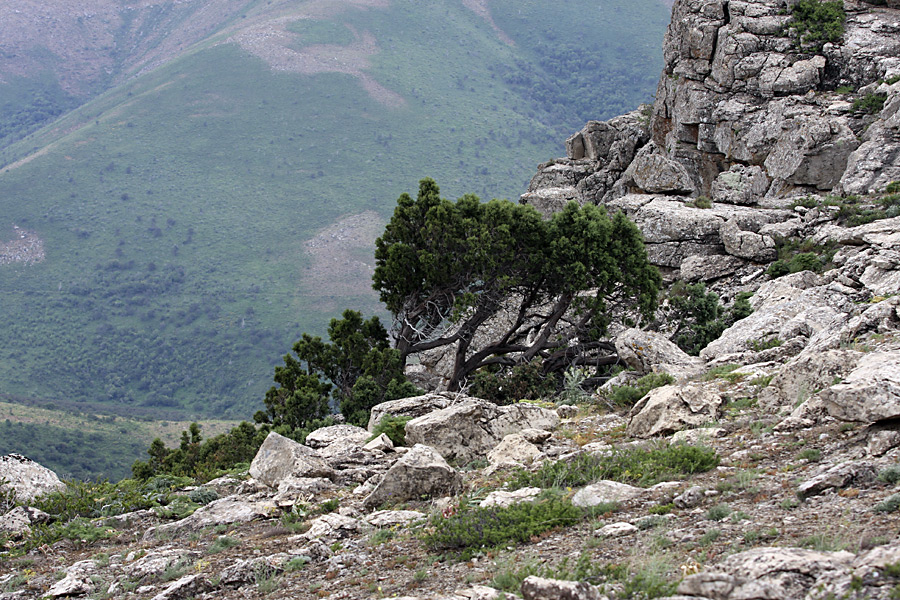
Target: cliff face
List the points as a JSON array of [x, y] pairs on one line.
[[740, 106]]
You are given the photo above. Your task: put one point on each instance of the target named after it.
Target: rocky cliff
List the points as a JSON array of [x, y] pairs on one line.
[[766, 468]]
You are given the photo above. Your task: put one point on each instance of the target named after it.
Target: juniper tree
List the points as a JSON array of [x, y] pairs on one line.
[[446, 270]]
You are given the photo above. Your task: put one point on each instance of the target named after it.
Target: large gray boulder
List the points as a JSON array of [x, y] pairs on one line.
[[603, 492], [793, 307], [26, 478], [472, 427], [280, 457], [540, 588], [649, 352], [870, 393], [224, 511], [770, 573], [325, 436], [806, 374], [415, 406], [671, 408], [421, 472]]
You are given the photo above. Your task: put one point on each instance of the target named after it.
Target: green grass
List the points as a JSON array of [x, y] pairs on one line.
[[640, 466], [175, 209]]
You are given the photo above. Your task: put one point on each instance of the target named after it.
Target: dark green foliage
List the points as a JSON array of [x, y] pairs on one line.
[[356, 369], [641, 466], [443, 269], [800, 255], [472, 529], [201, 459], [628, 395], [699, 316], [816, 23], [521, 382], [890, 475], [393, 427], [870, 103], [893, 187], [27, 105]]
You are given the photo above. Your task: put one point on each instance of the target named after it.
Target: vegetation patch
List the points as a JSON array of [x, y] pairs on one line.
[[699, 315], [870, 103], [628, 395], [394, 427], [639, 466], [472, 529], [815, 23], [801, 255]]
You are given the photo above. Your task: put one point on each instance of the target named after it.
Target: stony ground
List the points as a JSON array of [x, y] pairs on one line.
[[750, 500]]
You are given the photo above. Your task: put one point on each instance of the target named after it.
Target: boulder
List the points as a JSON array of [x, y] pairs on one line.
[[603, 492], [421, 472], [157, 561], [747, 244], [78, 581], [280, 457], [649, 351], [740, 185], [870, 392], [231, 509], [795, 306], [708, 268], [333, 526], [408, 407], [513, 449], [652, 172], [837, 477], [806, 374], [783, 573], [504, 499], [188, 586], [391, 518], [539, 588], [17, 522], [469, 429], [670, 408], [614, 530], [325, 436], [26, 478]]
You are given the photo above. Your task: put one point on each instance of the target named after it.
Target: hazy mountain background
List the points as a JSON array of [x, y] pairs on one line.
[[186, 187]]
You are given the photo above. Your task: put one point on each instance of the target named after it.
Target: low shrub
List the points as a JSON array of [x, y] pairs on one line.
[[640, 466], [815, 23], [628, 395], [393, 427], [700, 317], [870, 103], [475, 528], [890, 504], [506, 386], [890, 475]]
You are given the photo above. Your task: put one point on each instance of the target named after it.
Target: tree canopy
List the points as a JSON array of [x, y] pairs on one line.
[[357, 369], [446, 270]]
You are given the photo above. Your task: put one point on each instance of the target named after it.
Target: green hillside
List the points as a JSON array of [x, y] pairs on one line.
[[175, 210]]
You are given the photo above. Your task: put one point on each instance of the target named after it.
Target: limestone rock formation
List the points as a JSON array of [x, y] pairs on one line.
[[420, 472], [280, 457], [472, 427], [26, 478]]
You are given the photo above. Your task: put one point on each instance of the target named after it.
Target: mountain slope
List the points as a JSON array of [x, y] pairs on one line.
[[193, 219]]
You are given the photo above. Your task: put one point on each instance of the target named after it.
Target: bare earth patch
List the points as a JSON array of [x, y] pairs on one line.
[[25, 247], [480, 8], [271, 41], [342, 259]]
